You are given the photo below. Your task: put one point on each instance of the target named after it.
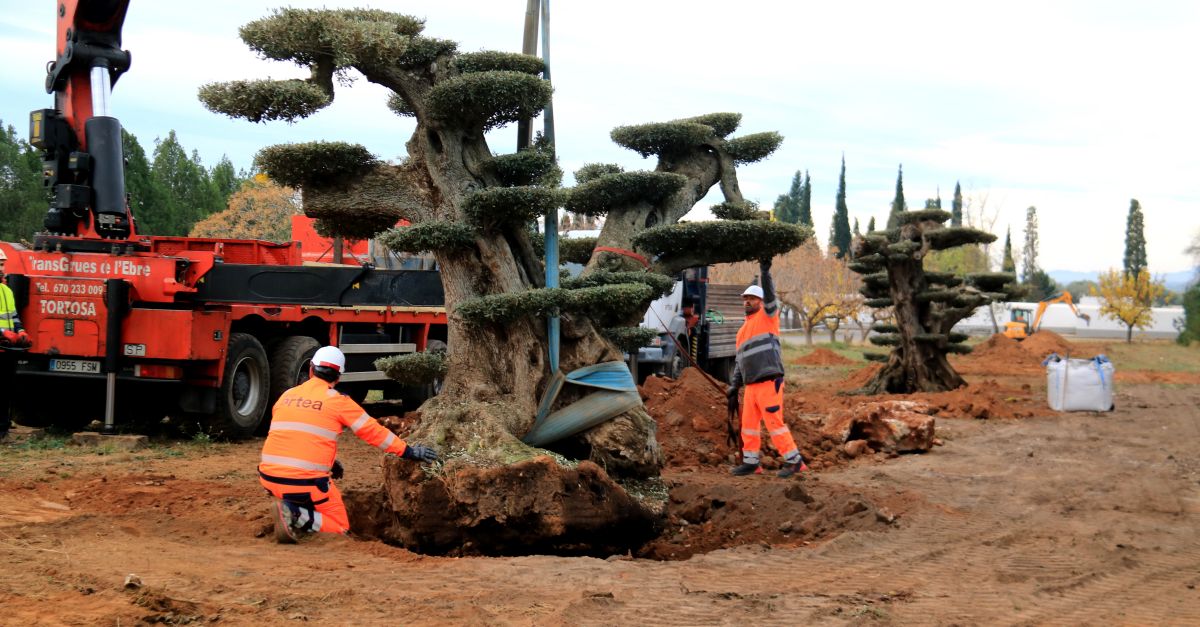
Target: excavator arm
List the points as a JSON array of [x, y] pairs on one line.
[[80, 142], [1065, 297]]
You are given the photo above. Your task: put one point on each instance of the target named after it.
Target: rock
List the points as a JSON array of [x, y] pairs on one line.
[[854, 448], [885, 515], [18, 434], [132, 582], [701, 424], [938, 442], [119, 442], [785, 527], [886, 426], [854, 507], [796, 492]]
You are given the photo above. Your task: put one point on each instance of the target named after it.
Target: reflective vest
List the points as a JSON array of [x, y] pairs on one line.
[[9, 321], [759, 354], [306, 422]]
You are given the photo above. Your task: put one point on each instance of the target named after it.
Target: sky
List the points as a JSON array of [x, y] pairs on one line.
[[1072, 107]]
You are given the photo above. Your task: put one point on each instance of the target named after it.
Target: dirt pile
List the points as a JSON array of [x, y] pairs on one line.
[[822, 357], [1002, 355]]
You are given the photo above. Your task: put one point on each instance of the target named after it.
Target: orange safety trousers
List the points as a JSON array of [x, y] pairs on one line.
[[319, 501], [763, 402]]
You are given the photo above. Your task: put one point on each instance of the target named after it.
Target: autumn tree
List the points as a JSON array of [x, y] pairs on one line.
[[1128, 299], [926, 305], [259, 209], [473, 210]]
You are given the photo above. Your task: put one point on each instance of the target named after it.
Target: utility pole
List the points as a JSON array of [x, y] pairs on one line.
[[529, 47]]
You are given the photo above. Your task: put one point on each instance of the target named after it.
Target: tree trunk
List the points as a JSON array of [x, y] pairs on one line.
[[1129, 334], [808, 331]]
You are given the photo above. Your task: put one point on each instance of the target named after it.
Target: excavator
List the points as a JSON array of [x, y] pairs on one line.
[[1019, 327]]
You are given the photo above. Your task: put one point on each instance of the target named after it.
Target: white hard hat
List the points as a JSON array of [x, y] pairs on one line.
[[3, 257], [329, 357], [753, 290]]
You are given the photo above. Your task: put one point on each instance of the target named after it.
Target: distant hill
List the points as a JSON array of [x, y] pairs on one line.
[[1177, 281]]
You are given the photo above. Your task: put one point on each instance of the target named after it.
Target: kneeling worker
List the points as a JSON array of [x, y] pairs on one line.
[[299, 458]]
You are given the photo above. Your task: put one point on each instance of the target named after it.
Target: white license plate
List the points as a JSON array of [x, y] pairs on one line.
[[75, 365]]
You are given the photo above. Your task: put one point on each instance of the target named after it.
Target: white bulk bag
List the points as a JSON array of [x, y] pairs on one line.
[[1079, 384]]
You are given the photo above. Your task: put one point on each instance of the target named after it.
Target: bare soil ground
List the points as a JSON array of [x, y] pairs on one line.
[[1025, 518]]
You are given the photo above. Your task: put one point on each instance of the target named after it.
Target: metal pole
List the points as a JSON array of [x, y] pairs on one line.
[[552, 215], [529, 47]]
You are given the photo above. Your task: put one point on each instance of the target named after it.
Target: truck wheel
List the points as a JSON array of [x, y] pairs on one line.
[[290, 358], [674, 368], [242, 399]]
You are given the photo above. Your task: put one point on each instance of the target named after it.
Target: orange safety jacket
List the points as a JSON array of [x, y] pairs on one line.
[[306, 422], [759, 352]]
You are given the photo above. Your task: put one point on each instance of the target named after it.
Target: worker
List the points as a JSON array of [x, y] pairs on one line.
[[299, 458], [759, 366], [12, 336]]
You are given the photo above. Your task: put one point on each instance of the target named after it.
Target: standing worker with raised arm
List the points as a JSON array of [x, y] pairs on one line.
[[11, 336], [759, 365], [299, 458]]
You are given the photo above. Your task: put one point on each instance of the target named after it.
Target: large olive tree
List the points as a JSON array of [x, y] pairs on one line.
[[474, 211]]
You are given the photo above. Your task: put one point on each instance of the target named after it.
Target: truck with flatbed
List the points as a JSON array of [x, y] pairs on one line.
[[697, 325]]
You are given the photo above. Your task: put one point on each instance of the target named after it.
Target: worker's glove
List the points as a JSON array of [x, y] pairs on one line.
[[8, 337], [419, 453], [731, 396], [23, 339], [337, 472]]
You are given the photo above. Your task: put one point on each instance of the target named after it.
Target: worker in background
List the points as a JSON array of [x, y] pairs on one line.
[[759, 366], [299, 458], [12, 336]]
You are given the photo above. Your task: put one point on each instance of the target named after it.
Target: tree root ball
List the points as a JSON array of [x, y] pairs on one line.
[[533, 506]]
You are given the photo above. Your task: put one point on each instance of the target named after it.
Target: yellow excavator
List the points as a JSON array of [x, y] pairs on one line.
[[1019, 327]]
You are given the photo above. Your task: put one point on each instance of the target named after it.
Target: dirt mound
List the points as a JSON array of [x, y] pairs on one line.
[[822, 357], [1042, 343], [859, 377], [1002, 355]]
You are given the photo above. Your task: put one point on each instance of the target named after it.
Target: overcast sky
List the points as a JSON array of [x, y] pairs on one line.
[[1072, 107]]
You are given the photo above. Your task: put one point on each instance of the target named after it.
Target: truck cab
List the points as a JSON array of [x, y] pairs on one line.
[[697, 325]]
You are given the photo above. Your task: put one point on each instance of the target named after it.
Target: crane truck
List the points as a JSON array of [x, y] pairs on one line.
[[128, 326]]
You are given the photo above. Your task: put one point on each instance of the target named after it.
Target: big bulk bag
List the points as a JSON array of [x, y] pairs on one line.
[[1079, 384]]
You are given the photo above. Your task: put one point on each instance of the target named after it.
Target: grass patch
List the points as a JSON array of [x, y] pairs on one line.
[[1154, 355]]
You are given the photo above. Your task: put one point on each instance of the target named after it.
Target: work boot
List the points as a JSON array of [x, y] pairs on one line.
[[746, 469], [285, 523], [792, 468]]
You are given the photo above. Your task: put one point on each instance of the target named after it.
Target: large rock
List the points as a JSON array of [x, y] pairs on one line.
[[888, 426]]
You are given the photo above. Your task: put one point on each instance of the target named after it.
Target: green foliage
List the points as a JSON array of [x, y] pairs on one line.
[[793, 206], [342, 37], [149, 199], [316, 164], [885, 339], [840, 238], [1079, 289], [1040, 286], [899, 205], [225, 178], [722, 124], [923, 215], [883, 327], [1029, 264], [1008, 264], [597, 196], [1135, 240], [991, 281], [423, 51], [576, 249], [956, 212], [1190, 331], [414, 368], [492, 61], [399, 106], [942, 239], [531, 166], [875, 357], [601, 303], [753, 148], [592, 171], [878, 303], [960, 260], [629, 339], [190, 193], [23, 200], [745, 210], [429, 236], [660, 283], [487, 100], [265, 100], [497, 207], [661, 138], [364, 206], [721, 241]]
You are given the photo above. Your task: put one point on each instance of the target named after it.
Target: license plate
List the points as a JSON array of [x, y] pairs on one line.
[[75, 365]]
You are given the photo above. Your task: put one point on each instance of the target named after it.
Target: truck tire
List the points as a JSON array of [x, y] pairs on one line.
[[674, 367], [245, 388], [290, 357]]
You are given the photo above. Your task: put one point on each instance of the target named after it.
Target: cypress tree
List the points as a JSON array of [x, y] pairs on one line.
[[898, 204], [1029, 264], [1008, 265], [1135, 240], [957, 206], [840, 233], [871, 225], [805, 208], [857, 232], [787, 206]]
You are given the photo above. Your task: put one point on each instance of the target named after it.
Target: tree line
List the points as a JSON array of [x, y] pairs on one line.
[[170, 189]]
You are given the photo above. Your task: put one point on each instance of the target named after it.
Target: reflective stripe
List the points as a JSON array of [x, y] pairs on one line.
[[779, 431], [387, 442], [754, 340], [754, 432], [317, 520], [750, 457], [746, 352], [360, 423], [292, 462], [307, 428], [792, 456], [8, 316]]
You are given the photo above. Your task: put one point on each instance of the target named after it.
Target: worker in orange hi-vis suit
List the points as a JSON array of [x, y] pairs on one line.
[[759, 365], [299, 458]]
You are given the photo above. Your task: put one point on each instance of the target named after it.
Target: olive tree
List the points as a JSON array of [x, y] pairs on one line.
[[925, 304]]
